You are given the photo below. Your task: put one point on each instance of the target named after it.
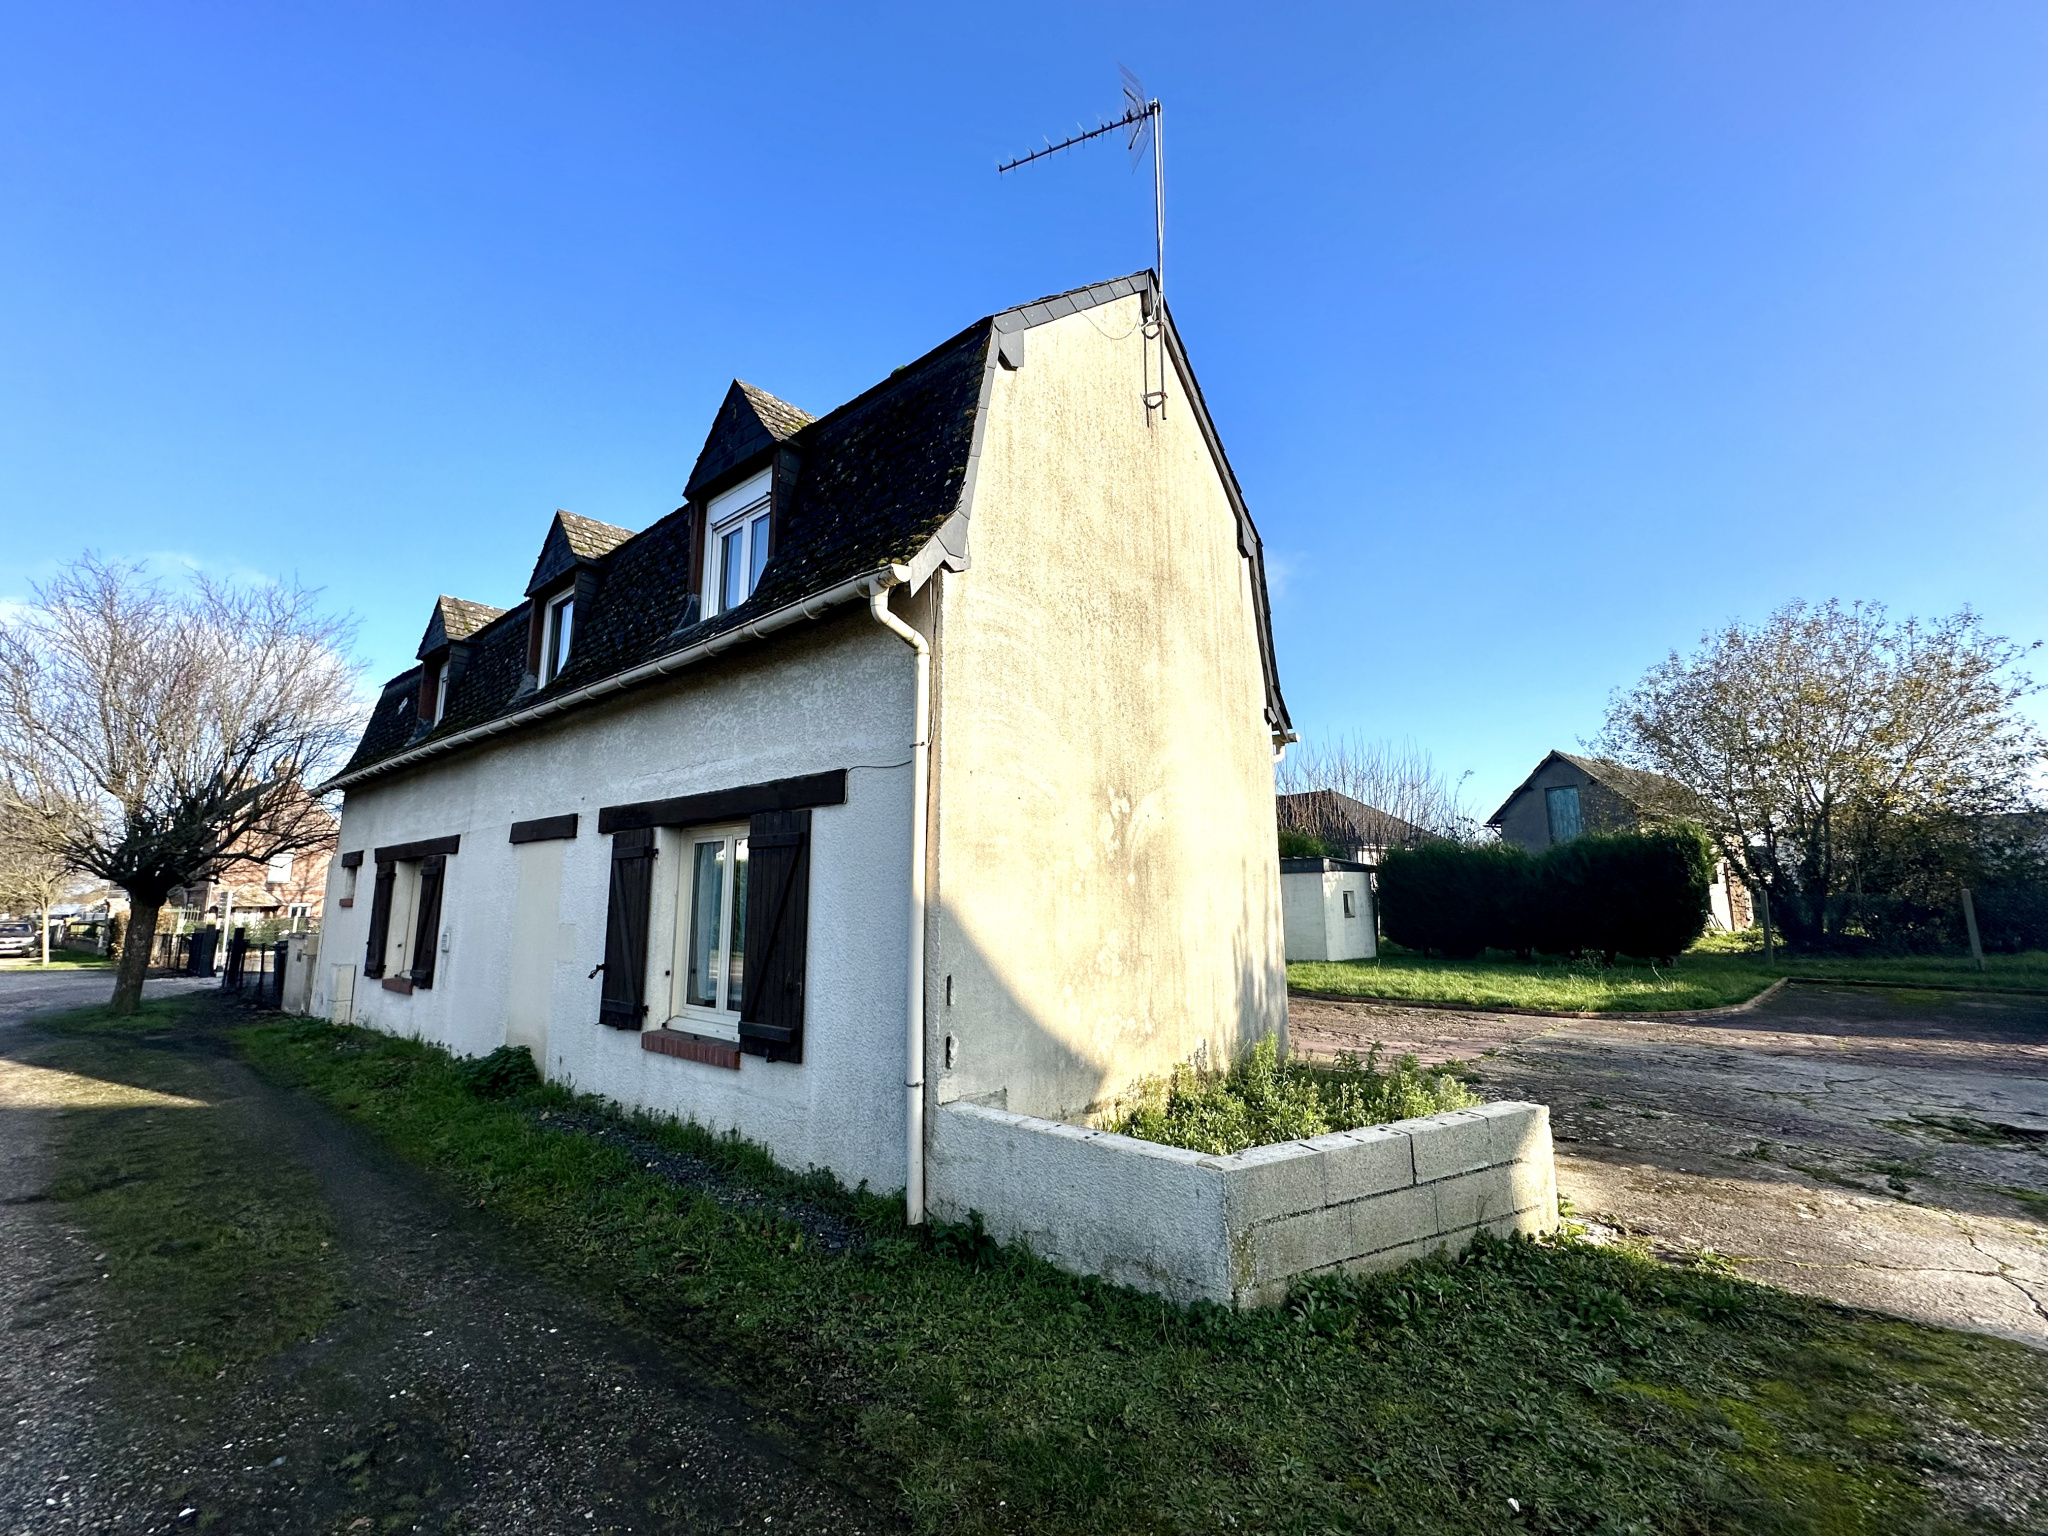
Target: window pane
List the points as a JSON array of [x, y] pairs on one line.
[[736, 955], [565, 624], [732, 559], [757, 552], [707, 891]]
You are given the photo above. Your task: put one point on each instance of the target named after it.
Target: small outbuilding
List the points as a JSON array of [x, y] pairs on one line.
[[1326, 906]]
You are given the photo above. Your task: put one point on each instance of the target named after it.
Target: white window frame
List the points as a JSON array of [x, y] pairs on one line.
[[398, 934], [724, 1020], [440, 693], [742, 513], [557, 636]]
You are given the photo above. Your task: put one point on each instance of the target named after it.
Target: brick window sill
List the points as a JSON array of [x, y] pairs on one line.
[[684, 1046]]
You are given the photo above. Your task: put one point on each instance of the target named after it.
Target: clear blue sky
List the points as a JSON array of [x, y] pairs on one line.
[[1542, 336]]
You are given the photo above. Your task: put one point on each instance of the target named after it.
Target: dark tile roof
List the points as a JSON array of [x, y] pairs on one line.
[[455, 618], [749, 420], [874, 482], [880, 474], [572, 541], [1336, 817]]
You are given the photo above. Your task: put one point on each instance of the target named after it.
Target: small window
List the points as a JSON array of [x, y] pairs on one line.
[[561, 626], [711, 930], [280, 870], [1351, 903], [737, 550], [440, 692], [348, 883], [1562, 804]]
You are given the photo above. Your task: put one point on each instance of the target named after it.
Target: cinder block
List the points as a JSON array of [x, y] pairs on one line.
[[1393, 1258], [1471, 1199], [1357, 1164], [1309, 1240], [1266, 1183], [1450, 1144], [1533, 1186], [1521, 1132], [1392, 1220]]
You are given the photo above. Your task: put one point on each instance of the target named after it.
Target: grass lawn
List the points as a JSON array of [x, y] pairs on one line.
[[62, 959], [213, 1249], [1711, 975], [1549, 1387]]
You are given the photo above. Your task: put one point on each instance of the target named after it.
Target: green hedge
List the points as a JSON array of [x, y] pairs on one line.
[[1607, 893]]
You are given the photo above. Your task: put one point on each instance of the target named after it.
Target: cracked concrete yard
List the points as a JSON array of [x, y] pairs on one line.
[[1880, 1148]]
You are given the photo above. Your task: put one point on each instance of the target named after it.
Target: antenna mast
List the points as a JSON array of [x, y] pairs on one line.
[[1145, 120]]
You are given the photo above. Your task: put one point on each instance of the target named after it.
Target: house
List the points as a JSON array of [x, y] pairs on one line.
[[924, 753], [1567, 795], [286, 890], [1350, 828]]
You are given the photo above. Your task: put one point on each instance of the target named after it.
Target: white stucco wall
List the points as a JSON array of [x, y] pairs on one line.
[[1106, 901], [837, 697], [1312, 903]]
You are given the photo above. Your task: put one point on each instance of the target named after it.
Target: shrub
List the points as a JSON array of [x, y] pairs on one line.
[[1300, 845], [1456, 899], [1634, 893], [1263, 1099], [504, 1074], [1637, 893]]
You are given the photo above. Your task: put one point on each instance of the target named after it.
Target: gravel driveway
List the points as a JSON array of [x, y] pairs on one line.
[[1884, 1148]]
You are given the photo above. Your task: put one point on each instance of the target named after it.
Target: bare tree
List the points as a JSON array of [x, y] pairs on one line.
[[1806, 735], [188, 724], [35, 857], [1416, 799]]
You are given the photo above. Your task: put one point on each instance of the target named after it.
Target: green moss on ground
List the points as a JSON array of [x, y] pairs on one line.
[[1552, 1387], [213, 1253]]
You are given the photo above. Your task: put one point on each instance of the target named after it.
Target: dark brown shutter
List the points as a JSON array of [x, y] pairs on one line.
[[778, 928], [624, 1005], [426, 941], [380, 920]]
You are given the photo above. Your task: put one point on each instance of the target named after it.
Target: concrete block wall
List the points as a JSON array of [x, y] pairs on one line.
[[1239, 1230]]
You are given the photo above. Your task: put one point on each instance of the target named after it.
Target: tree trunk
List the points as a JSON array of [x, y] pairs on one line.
[[135, 955]]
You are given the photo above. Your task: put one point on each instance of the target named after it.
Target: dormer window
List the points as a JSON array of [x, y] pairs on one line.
[[738, 545], [440, 692], [561, 628]]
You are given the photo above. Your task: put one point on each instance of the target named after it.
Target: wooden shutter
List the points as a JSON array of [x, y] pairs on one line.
[[380, 920], [426, 941], [778, 928], [624, 1004]]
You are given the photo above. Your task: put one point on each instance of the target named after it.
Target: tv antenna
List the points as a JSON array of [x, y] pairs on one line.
[[1143, 122]]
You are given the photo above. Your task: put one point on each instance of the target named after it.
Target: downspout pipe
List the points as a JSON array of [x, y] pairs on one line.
[[920, 797]]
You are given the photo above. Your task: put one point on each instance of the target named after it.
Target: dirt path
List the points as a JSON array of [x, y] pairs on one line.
[[456, 1391], [1885, 1149]]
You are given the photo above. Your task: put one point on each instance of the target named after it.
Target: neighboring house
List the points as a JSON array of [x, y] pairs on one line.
[[676, 821], [1568, 795], [1350, 828], [287, 889]]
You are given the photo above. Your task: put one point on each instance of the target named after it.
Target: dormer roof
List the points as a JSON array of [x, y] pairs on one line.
[[573, 541], [749, 422], [455, 618]]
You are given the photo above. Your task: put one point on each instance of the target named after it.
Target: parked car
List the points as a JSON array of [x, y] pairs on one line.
[[18, 939]]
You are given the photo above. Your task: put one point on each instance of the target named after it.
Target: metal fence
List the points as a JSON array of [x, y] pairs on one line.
[[255, 971], [185, 954]]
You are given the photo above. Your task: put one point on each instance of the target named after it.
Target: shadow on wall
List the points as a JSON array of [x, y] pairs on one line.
[[1075, 1053]]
